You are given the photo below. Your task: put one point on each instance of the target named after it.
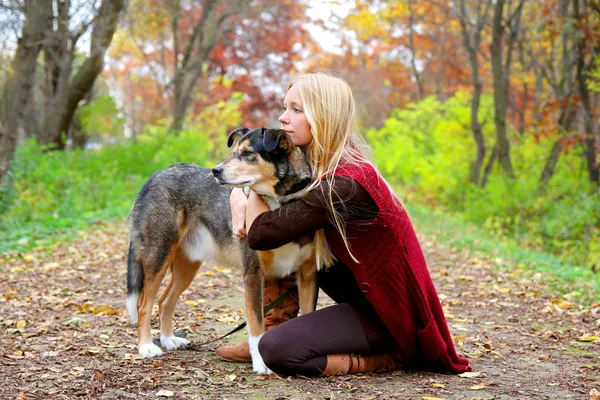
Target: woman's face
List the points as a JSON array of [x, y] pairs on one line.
[[293, 120]]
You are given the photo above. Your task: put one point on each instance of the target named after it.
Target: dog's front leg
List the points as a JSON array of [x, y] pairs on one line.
[[308, 289], [253, 288]]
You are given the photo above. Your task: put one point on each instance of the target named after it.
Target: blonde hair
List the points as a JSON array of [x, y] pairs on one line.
[[329, 107]]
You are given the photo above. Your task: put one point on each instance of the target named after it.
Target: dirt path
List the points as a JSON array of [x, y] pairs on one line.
[[64, 334]]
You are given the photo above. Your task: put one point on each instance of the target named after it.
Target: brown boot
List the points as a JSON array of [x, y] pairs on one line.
[[345, 364], [282, 312]]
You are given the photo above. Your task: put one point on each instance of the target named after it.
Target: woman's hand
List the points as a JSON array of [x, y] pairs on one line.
[[238, 203]]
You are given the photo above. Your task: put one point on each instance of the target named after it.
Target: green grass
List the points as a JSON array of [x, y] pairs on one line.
[[577, 281]]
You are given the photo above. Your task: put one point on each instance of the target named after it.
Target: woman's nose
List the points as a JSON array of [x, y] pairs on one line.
[[283, 118]]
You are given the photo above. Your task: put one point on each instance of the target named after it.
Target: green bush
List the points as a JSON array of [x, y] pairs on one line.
[[428, 148], [54, 191]]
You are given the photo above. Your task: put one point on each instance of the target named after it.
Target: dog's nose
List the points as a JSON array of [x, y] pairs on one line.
[[217, 170]]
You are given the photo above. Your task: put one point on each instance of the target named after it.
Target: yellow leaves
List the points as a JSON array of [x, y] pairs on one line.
[[48, 267], [438, 385], [589, 339], [432, 398], [88, 308], [477, 387], [19, 327], [226, 319], [451, 317], [561, 303], [193, 303]]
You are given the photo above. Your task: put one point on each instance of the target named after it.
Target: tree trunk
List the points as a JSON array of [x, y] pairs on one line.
[[472, 42], [591, 128], [18, 86], [207, 31], [78, 138], [500, 73], [66, 102], [489, 166], [412, 50], [550, 165]]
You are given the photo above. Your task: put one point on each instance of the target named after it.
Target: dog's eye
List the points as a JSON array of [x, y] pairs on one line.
[[246, 153]]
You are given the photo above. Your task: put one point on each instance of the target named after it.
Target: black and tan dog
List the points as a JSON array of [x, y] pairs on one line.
[[182, 218]]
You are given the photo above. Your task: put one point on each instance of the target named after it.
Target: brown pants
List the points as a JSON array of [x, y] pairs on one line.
[[300, 346]]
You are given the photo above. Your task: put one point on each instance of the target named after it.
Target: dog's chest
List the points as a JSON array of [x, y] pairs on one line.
[[288, 258]]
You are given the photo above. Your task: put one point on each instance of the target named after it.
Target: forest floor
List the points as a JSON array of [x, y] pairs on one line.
[[64, 333]]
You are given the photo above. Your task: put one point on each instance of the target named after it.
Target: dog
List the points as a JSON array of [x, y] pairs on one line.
[[182, 217]]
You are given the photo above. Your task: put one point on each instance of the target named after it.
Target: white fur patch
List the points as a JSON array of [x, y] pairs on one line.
[[131, 304], [258, 365], [150, 350], [173, 342], [289, 257], [199, 245]]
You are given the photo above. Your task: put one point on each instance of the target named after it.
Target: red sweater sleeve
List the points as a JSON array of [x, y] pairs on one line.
[[273, 229]]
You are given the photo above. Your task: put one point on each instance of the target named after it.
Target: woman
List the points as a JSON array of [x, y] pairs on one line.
[[388, 312]]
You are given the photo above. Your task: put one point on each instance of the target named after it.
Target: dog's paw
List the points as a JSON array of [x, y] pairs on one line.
[[258, 365], [173, 342], [150, 350]]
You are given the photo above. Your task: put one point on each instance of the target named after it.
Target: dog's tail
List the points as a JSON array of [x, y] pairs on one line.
[[135, 283]]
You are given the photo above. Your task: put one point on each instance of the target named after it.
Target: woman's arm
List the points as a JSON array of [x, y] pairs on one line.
[[272, 229], [238, 203], [256, 206]]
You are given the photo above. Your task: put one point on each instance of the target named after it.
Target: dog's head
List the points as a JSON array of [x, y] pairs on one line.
[[265, 160]]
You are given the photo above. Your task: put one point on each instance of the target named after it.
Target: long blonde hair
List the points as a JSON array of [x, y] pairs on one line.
[[329, 108]]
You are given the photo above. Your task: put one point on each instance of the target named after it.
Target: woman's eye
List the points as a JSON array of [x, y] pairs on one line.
[[297, 110]]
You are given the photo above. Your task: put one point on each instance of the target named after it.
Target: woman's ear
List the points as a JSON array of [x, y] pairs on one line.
[[235, 135]]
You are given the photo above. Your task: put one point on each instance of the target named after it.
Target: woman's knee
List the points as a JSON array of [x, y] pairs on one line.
[[272, 350]]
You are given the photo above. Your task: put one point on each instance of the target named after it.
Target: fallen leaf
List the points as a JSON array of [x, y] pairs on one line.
[[98, 375], [75, 321], [478, 387], [594, 394], [164, 393], [561, 303], [191, 303], [583, 338], [432, 398], [471, 375], [438, 385]]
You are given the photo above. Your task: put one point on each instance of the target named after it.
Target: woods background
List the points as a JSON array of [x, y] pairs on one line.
[[483, 110]]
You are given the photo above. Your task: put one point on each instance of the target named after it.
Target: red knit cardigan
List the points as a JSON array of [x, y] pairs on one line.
[[394, 277]]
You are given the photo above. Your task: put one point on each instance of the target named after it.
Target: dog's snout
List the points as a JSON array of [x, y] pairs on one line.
[[218, 170]]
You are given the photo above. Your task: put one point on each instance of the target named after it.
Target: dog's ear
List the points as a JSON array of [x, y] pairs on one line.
[[276, 139], [235, 135]]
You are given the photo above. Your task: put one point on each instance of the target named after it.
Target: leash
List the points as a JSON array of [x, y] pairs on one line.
[[241, 326]]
